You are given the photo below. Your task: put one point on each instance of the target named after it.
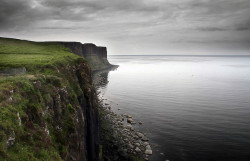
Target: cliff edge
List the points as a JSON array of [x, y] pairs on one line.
[[95, 55], [48, 103]]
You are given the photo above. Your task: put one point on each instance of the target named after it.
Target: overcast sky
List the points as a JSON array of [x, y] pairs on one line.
[[134, 26]]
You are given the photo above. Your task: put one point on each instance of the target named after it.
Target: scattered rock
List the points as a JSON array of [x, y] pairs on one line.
[[129, 116], [148, 147], [137, 144], [136, 137], [144, 138], [132, 141], [128, 127], [130, 146], [139, 134], [130, 120], [133, 122], [138, 150], [148, 152], [145, 143]]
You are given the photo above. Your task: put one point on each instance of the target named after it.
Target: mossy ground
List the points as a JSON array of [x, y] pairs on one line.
[[48, 65]]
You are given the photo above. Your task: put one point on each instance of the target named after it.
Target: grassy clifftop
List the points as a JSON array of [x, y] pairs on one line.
[[33, 55], [47, 113]]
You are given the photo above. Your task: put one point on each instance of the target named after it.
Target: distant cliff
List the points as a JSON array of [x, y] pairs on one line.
[[96, 55]]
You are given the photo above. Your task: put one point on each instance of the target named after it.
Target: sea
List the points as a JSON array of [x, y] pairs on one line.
[[192, 107]]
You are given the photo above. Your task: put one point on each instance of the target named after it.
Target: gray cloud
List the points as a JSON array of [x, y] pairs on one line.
[[141, 22]]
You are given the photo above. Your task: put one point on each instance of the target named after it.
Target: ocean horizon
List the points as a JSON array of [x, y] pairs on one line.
[[192, 107]]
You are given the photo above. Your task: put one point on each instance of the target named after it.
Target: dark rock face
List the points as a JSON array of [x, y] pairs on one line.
[[12, 71], [103, 52], [88, 102], [96, 55], [81, 136], [75, 47], [60, 114], [91, 49]]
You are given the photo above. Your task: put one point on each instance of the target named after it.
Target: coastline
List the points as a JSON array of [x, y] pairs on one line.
[[117, 130], [57, 83]]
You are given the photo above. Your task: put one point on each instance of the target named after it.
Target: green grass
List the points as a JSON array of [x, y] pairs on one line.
[[33, 55], [51, 64], [31, 141]]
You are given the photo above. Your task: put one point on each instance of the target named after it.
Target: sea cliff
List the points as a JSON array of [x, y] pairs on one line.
[[48, 104], [49, 108], [95, 55]]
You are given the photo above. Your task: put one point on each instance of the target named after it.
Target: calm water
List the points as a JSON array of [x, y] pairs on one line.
[[192, 108]]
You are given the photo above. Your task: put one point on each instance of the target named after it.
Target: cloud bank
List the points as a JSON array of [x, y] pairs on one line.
[[133, 27]]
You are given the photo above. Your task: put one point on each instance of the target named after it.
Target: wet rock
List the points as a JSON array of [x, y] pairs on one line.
[[130, 120], [139, 122], [148, 147], [144, 138], [145, 143], [129, 116], [135, 137], [128, 127], [137, 144], [139, 134], [148, 152], [133, 122], [138, 150], [130, 146]]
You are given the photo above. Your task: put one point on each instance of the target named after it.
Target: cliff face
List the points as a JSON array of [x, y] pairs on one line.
[[50, 117], [50, 111], [96, 55], [75, 47]]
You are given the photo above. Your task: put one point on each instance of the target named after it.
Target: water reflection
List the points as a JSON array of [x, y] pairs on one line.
[[101, 77]]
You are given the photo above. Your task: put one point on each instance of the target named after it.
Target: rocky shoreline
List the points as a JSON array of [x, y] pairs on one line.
[[135, 142], [127, 140]]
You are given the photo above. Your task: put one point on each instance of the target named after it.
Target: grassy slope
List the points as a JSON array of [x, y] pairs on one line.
[[32, 55], [18, 95]]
